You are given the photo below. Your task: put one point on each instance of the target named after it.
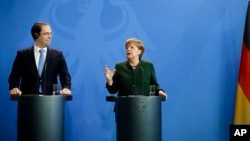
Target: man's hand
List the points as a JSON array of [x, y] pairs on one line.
[[65, 91], [15, 91]]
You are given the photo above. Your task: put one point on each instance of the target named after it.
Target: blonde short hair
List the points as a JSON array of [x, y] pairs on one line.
[[138, 43]]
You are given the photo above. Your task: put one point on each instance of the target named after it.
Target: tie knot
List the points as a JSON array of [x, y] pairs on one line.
[[41, 50]]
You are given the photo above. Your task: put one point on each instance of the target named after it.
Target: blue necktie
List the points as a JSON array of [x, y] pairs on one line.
[[40, 65]]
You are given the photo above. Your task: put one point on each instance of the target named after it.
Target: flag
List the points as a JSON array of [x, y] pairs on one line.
[[242, 103]]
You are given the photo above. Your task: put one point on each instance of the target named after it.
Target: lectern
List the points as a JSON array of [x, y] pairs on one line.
[[138, 118], [40, 117]]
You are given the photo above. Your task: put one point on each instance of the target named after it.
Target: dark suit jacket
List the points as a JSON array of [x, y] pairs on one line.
[[24, 73], [127, 81]]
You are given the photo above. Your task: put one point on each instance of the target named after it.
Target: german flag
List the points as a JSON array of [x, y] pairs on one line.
[[242, 103]]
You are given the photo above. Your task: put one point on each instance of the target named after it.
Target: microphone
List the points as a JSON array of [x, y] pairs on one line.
[[37, 84], [142, 79], [134, 86], [45, 68]]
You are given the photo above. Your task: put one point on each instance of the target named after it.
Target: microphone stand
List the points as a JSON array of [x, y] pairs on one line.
[[142, 79], [45, 89]]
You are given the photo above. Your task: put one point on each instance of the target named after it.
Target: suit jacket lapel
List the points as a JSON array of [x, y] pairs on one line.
[[48, 57], [32, 59]]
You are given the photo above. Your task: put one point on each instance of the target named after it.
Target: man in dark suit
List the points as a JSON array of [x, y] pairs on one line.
[[26, 77]]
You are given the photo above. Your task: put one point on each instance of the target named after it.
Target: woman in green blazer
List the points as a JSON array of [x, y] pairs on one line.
[[133, 76]]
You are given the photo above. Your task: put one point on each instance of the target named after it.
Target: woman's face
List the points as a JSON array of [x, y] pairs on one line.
[[132, 51]]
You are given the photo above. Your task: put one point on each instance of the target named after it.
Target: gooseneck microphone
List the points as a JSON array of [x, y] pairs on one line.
[[37, 84], [134, 86], [45, 69], [142, 79]]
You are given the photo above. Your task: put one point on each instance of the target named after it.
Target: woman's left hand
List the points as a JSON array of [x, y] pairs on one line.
[[162, 93]]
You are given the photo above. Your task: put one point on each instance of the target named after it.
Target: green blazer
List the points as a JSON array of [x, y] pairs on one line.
[[129, 81]]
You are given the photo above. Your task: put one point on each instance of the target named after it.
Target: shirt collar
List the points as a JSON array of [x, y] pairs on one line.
[[38, 48]]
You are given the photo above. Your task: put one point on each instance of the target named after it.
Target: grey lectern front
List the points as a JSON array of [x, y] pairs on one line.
[[41, 117], [138, 118]]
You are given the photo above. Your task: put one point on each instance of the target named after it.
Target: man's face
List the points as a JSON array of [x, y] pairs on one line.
[[45, 36]]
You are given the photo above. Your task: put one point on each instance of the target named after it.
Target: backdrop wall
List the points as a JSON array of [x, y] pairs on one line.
[[195, 46]]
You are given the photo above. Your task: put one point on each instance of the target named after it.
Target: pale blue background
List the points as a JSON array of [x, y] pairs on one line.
[[195, 46]]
